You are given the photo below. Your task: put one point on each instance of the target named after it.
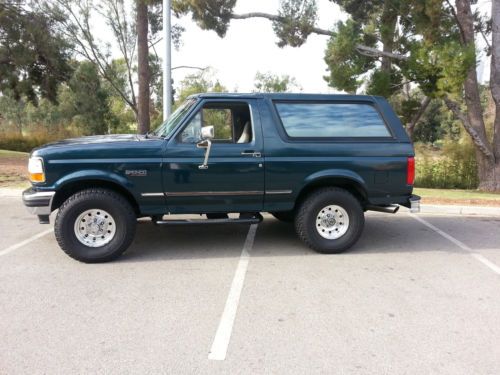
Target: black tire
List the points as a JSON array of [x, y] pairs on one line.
[[311, 207], [285, 216], [116, 205]]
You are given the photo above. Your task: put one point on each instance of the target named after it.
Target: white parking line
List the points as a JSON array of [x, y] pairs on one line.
[[223, 334], [460, 244], [25, 242]]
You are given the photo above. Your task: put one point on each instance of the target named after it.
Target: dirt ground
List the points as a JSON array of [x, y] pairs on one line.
[[14, 171]]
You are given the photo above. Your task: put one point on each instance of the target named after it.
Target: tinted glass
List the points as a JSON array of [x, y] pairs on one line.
[[331, 120], [165, 129]]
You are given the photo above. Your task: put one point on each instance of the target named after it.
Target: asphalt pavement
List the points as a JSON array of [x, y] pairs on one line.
[[412, 297]]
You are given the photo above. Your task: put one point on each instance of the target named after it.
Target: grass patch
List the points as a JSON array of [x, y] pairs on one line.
[[13, 154], [455, 194], [458, 197]]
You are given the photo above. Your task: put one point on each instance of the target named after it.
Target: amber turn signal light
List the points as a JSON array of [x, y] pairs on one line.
[[35, 169]]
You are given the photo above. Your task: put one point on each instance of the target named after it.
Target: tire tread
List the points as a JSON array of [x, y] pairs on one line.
[[301, 217], [109, 195]]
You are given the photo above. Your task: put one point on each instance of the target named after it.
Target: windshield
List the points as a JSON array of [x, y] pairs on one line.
[[165, 129]]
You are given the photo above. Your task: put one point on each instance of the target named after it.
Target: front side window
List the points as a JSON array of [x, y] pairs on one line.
[[231, 121], [325, 120]]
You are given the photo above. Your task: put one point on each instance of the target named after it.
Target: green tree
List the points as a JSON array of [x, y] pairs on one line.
[[12, 113], [87, 102], [269, 82], [199, 82], [135, 30], [34, 54]]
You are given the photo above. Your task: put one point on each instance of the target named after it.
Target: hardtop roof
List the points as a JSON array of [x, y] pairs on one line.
[[283, 96]]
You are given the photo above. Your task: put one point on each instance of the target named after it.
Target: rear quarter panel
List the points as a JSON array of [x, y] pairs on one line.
[[379, 166]]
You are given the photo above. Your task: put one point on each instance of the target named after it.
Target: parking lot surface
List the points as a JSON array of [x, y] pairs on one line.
[[412, 297]]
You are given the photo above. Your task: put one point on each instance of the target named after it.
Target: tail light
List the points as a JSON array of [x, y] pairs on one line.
[[410, 170]]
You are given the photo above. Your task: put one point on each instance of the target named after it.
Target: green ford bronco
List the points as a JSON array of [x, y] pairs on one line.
[[318, 161]]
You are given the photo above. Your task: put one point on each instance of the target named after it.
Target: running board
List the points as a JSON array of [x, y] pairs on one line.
[[255, 219]]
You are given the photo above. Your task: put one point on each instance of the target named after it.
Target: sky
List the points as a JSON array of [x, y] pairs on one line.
[[250, 46]]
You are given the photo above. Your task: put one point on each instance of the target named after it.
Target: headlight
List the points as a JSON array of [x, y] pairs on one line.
[[35, 169]]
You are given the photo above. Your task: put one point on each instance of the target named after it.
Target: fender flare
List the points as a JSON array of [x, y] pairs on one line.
[[334, 177], [93, 174], [122, 184]]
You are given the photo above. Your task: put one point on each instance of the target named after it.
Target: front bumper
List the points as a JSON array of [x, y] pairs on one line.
[[38, 202]]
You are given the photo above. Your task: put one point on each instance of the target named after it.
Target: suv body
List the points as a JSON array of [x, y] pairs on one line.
[[229, 153]]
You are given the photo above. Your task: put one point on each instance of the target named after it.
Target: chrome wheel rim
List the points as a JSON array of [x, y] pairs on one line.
[[332, 222], [95, 228]]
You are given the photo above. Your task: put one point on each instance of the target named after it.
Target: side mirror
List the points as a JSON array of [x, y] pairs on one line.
[[207, 132]]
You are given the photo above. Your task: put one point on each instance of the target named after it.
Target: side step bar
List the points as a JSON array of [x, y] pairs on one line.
[[253, 219], [392, 209]]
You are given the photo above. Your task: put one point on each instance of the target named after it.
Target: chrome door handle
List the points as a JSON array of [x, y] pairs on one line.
[[251, 153]]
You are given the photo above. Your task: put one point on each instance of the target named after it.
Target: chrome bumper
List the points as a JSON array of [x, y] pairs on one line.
[[38, 202]]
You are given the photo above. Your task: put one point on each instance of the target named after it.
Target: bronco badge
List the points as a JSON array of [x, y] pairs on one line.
[[136, 172]]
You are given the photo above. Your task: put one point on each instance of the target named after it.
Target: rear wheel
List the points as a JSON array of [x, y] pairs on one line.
[[95, 225], [330, 220], [285, 216]]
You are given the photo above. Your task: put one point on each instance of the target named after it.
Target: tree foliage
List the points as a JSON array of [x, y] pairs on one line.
[[199, 82], [269, 82], [208, 14], [34, 55]]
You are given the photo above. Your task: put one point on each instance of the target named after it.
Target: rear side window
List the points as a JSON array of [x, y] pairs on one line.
[[323, 120]]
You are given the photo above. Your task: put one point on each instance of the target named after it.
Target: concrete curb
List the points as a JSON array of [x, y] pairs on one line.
[[459, 210]]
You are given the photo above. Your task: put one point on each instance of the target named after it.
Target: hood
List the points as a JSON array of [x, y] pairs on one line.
[[97, 139]]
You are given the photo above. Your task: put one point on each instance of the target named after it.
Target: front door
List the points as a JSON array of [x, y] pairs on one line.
[[233, 180]]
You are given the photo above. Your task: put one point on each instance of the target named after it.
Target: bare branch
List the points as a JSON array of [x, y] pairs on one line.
[[276, 18], [455, 16], [189, 67], [373, 52], [481, 146], [364, 50], [88, 47], [414, 120]]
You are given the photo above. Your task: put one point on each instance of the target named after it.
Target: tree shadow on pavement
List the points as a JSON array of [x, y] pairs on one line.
[[383, 233]]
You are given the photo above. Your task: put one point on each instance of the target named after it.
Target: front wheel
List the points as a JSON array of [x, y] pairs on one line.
[[95, 225], [330, 220]]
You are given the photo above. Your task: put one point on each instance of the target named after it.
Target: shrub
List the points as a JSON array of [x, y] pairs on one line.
[[452, 167], [20, 143]]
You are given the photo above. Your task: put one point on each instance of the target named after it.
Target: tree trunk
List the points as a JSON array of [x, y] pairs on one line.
[[488, 169], [414, 120], [495, 75], [143, 67], [488, 173], [388, 28]]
